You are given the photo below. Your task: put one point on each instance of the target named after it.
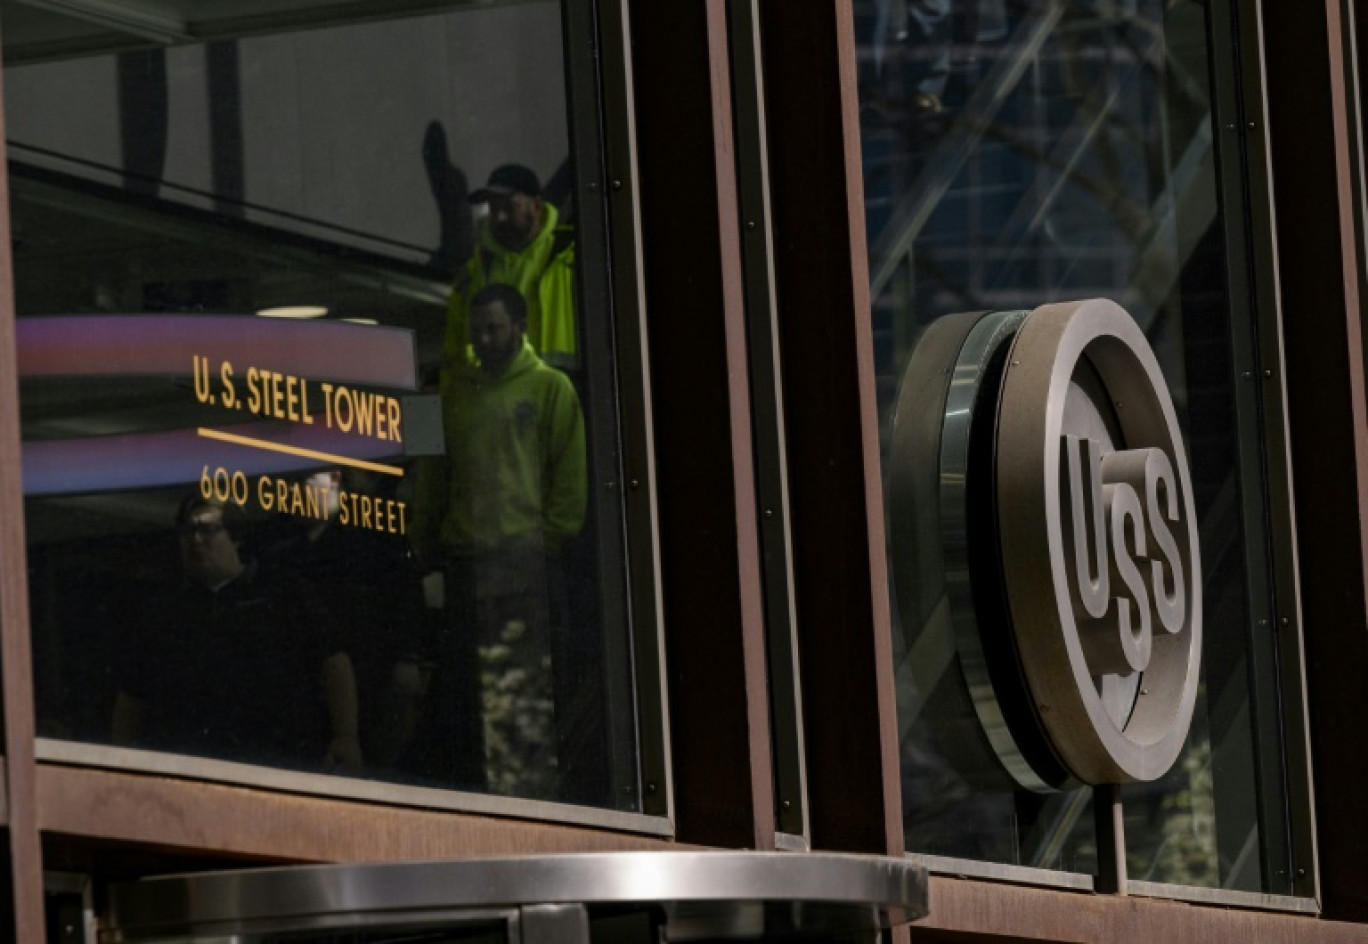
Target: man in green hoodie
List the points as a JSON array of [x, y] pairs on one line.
[[496, 513], [522, 243]]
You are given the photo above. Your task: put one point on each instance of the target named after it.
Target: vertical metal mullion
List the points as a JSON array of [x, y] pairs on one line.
[[16, 662], [752, 168], [1277, 702], [1305, 856], [1110, 823], [1229, 116], [589, 53], [638, 485], [745, 463], [841, 584], [1354, 85], [1321, 392], [1288, 672], [695, 307]]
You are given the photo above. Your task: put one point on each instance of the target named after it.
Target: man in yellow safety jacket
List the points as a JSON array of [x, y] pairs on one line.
[[520, 243], [515, 471], [493, 516]]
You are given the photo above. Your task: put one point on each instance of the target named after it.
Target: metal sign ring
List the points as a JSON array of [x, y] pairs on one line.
[[1099, 542]]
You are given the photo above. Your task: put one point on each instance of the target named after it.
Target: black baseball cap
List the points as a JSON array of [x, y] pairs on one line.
[[507, 180]]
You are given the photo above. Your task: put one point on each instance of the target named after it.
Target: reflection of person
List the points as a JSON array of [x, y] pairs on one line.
[[912, 41], [498, 512], [522, 243], [449, 190], [370, 593], [236, 661], [924, 31]]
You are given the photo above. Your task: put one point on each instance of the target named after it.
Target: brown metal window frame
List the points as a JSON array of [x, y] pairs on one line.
[[65, 802], [16, 676], [671, 162], [805, 103], [1315, 149], [598, 202], [738, 474]]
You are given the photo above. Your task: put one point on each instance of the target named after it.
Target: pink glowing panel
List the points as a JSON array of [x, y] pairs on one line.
[[153, 345], [124, 345]]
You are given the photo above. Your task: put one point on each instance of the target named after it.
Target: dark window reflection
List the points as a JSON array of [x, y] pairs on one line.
[[301, 362], [1021, 153], [231, 622]]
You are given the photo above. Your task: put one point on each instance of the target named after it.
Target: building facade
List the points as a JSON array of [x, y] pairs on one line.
[[779, 532]]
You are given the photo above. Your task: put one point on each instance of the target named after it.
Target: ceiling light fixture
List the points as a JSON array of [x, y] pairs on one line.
[[294, 311]]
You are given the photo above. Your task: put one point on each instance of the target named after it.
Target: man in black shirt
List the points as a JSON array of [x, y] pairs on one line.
[[236, 662]]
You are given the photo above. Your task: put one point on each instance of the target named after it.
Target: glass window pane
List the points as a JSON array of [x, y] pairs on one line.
[[307, 452], [1019, 154]]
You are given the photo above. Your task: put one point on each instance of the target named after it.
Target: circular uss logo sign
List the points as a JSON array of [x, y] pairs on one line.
[[1044, 538], [1099, 542]]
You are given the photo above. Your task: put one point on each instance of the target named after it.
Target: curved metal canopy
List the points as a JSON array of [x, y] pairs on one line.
[[692, 895]]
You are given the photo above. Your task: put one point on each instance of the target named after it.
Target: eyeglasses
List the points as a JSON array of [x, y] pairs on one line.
[[199, 529]]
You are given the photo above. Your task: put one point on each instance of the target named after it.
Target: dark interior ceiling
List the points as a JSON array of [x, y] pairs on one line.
[[75, 228], [38, 30]]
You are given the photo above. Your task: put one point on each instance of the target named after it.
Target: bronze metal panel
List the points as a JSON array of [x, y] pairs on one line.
[[1313, 161], [840, 573], [694, 302], [964, 911], [16, 665], [767, 420], [753, 645], [235, 822]]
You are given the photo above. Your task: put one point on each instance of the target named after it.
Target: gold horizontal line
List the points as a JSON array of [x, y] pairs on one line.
[[296, 451]]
